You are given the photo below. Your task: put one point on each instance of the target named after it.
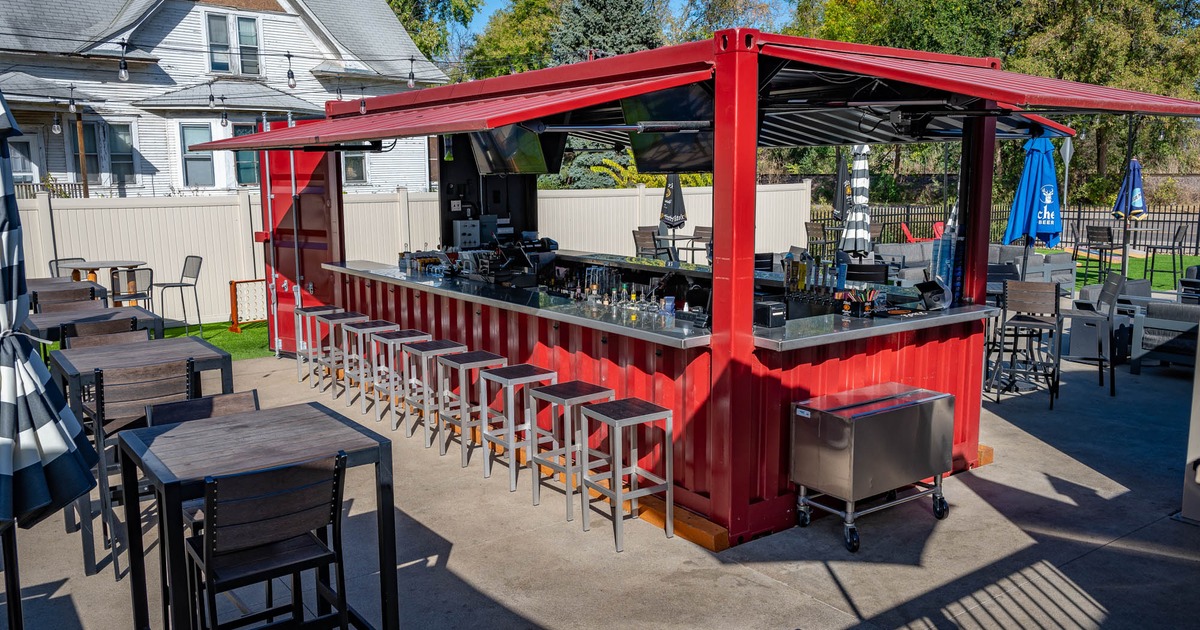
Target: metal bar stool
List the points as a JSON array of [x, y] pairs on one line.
[[618, 416], [1174, 249], [419, 391], [307, 338], [358, 340], [463, 363], [391, 375], [507, 426], [563, 454], [333, 356]]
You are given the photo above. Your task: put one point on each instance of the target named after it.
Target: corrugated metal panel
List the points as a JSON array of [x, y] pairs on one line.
[[457, 117], [1005, 87]]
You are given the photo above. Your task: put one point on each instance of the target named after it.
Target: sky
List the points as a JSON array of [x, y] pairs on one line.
[[481, 16]]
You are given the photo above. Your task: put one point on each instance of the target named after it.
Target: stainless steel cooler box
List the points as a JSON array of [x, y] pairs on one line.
[[865, 442]]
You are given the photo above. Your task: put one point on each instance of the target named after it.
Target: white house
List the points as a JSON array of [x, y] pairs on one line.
[[133, 82]]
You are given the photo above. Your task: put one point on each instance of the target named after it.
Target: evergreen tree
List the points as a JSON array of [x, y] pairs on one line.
[[516, 39], [607, 26]]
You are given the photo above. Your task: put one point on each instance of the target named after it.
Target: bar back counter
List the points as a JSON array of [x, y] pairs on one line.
[[646, 355]]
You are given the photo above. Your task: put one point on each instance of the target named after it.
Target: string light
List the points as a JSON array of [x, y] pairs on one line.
[[362, 101], [123, 66], [71, 100], [291, 76], [339, 90], [56, 126], [212, 101], [412, 79], [224, 113]]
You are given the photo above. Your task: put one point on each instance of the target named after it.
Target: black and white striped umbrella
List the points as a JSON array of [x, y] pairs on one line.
[[856, 237], [45, 457]]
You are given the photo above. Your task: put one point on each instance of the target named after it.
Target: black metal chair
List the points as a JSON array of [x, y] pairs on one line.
[[187, 278], [1174, 249], [267, 524], [646, 246], [701, 237], [819, 239], [764, 262], [1100, 317], [1100, 244], [57, 272], [867, 273], [133, 285]]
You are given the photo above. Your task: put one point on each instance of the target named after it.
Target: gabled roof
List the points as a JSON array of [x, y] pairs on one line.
[[372, 33], [67, 26], [240, 95], [21, 87]]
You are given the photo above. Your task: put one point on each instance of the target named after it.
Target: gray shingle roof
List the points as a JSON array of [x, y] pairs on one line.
[[371, 31], [18, 86], [59, 26], [240, 95]]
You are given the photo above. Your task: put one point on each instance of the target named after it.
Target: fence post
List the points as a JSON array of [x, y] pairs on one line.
[[45, 236], [245, 228], [404, 235], [1196, 241]]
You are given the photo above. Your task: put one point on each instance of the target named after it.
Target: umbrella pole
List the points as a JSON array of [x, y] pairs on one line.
[[12, 578], [1025, 258], [1128, 199]]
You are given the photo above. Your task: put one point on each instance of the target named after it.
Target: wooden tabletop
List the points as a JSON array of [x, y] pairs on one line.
[[38, 283], [54, 287], [41, 324], [74, 361], [187, 452], [101, 264]]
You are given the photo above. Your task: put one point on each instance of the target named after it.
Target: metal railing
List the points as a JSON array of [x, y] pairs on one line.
[[67, 190], [1160, 222]]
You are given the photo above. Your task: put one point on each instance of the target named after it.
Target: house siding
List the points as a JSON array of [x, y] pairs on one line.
[[175, 35]]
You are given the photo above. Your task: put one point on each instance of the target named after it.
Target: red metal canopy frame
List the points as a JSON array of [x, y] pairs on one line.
[[746, 489]]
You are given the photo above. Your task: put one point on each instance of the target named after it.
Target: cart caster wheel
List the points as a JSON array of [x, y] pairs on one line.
[[803, 518], [940, 508], [851, 539], [891, 496]]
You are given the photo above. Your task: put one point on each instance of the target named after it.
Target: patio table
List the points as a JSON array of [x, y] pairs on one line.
[[45, 325], [92, 266], [672, 239], [176, 458], [44, 289]]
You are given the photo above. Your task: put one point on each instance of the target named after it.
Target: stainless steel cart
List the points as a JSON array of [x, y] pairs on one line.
[[867, 442]]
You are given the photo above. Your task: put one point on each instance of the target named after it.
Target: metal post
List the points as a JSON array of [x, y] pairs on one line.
[[979, 154], [734, 184], [296, 281], [268, 201]]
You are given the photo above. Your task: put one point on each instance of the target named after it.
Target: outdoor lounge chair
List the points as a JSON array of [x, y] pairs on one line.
[[1098, 321], [1165, 331]]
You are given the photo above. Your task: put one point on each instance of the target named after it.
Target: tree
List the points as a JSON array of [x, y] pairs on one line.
[[428, 22], [516, 39], [609, 27], [699, 19]]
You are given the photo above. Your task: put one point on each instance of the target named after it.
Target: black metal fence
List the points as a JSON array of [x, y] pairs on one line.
[[1158, 228]]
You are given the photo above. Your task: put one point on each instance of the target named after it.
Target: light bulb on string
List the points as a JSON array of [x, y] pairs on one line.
[[339, 90], [412, 79], [291, 76], [56, 126], [212, 100], [224, 113], [362, 102], [71, 100], [123, 66]]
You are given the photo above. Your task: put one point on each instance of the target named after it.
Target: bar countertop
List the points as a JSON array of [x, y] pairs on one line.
[[646, 326], [795, 335]]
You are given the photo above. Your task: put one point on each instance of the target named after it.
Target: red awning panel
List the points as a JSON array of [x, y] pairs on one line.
[[475, 115], [1022, 90]]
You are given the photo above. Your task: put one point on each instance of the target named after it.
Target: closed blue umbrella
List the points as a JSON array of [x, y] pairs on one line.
[[1035, 211], [1130, 198]]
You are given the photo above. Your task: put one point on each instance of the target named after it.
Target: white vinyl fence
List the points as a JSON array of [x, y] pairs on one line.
[[162, 230]]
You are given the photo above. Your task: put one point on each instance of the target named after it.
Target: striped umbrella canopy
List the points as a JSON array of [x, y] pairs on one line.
[[45, 458], [856, 237]]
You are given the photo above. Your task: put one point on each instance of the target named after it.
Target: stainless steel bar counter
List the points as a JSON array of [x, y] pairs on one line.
[[796, 334]]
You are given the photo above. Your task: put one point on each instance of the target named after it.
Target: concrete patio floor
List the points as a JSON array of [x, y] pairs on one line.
[[1070, 527]]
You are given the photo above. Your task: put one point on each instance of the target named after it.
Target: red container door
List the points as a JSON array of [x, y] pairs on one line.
[[303, 221]]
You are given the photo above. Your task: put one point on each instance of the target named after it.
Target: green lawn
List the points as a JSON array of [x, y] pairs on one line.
[[249, 344], [1162, 281]]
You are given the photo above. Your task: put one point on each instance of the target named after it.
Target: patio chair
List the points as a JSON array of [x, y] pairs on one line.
[[646, 246], [39, 299], [1174, 249], [1099, 319], [1100, 242], [876, 232], [57, 272], [65, 307], [187, 279], [120, 403], [819, 239], [268, 524], [870, 272], [200, 408], [1030, 311], [87, 329], [764, 262], [701, 236], [111, 339], [939, 228], [133, 285], [908, 235]]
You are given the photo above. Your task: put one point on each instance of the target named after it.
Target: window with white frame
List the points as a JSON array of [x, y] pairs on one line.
[[354, 167], [108, 153], [198, 168], [233, 44], [245, 163]]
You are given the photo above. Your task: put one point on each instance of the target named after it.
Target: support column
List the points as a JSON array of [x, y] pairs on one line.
[[734, 186], [979, 158]]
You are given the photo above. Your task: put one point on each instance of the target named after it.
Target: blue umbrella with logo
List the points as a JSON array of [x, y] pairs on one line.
[[1035, 210], [1130, 198]]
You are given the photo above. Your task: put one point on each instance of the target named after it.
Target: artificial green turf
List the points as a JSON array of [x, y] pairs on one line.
[[1162, 281], [249, 344]]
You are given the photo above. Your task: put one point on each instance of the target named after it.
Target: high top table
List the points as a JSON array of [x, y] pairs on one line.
[[176, 458], [93, 266]]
